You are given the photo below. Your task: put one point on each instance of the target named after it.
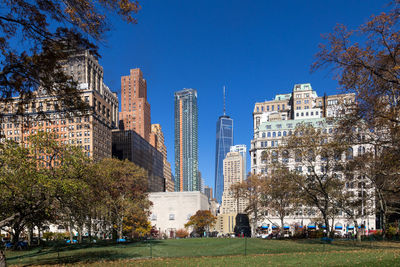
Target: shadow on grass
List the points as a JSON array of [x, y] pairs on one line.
[[56, 248], [82, 257]]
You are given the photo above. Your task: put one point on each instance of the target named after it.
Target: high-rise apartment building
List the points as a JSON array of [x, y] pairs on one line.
[[158, 143], [233, 173], [135, 110], [186, 141], [242, 149], [90, 130]]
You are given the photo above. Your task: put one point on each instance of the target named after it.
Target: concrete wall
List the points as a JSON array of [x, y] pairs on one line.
[[171, 210]]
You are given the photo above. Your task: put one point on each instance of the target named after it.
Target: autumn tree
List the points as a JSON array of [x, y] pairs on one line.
[[318, 168], [201, 221], [366, 61], [123, 188], [251, 190], [281, 194], [37, 36]]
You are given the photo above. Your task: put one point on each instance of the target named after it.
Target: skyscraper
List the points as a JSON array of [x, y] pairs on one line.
[[158, 143], [242, 149], [135, 110], [186, 141], [224, 140], [233, 173]]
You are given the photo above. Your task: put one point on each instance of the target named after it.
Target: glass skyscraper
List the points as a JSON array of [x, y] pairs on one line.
[[186, 141], [223, 144]]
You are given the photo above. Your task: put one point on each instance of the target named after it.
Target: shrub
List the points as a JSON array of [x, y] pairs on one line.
[[48, 235], [182, 233]]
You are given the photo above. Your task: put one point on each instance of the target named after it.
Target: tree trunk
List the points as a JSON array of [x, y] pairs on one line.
[[15, 237], [39, 235], [30, 235], [89, 226], [328, 231], [253, 230], [3, 261], [71, 233], [120, 228], [383, 225], [80, 234], [358, 231]]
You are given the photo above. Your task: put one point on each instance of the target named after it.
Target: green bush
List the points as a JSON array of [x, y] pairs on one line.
[[48, 235]]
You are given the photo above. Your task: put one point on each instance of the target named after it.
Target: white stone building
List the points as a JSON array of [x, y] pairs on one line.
[[276, 119], [172, 210]]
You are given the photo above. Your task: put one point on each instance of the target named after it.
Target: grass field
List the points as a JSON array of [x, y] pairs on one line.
[[215, 252]]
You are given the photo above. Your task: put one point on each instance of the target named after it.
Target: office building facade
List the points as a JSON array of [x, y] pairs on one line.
[[158, 143], [186, 141], [127, 144], [224, 140]]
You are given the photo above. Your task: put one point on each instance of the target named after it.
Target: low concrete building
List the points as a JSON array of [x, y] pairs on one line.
[[171, 210]]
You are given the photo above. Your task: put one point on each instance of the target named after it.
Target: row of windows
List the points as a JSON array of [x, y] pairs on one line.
[[267, 108], [301, 114]]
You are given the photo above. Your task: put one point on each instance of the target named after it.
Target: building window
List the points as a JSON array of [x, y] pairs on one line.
[[172, 217], [267, 108]]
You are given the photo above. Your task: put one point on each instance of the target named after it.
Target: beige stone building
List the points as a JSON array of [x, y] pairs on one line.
[[157, 140], [90, 130], [225, 223], [233, 173]]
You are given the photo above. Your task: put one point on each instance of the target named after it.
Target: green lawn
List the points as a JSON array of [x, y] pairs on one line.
[[217, 252]]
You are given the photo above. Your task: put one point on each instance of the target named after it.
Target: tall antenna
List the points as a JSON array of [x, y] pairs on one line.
[[224, 101]]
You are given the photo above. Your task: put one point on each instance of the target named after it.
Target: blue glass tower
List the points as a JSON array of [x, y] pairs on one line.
[[223, 144]]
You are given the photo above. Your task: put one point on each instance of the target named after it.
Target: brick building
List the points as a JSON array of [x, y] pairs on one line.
[[91, 131]]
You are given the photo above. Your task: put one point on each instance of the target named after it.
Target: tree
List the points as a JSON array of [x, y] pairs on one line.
[[33, 183], [37, 36], [201, 221], [251, 190], [123, 187], [365, 61], [237, 193], [318, 169], [281, 193]]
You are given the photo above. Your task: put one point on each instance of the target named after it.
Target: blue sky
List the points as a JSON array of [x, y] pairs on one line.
[[256, 48]]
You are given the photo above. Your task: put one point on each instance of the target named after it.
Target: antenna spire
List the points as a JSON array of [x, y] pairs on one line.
[[224, 100]]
